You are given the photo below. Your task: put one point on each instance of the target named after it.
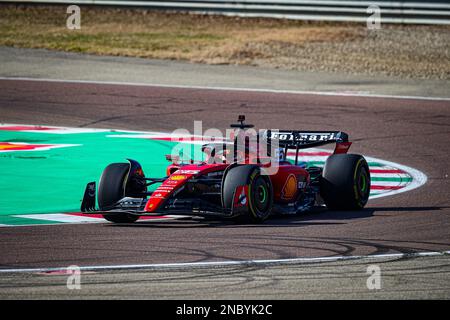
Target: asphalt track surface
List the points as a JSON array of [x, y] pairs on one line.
[[412, 132]]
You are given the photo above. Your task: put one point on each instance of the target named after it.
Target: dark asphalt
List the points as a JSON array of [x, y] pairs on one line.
[[412, 132], [418, 278]]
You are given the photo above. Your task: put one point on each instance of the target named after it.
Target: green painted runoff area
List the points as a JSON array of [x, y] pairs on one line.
[[54, 180]]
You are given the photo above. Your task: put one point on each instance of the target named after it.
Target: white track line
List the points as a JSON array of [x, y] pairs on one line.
[[319, 93], [61, 217], [243, 263], [52, 129], [83, 221]]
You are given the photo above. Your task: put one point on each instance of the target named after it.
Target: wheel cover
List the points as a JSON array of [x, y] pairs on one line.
[[363, 184], [260, 195]]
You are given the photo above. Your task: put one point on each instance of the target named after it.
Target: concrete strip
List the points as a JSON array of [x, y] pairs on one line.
[[39, 63]]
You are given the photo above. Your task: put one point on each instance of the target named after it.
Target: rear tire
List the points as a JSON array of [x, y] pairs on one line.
[[111, 189], [345, 183], [260, 197]]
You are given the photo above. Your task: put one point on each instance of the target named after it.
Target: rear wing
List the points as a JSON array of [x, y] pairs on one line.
[[295, 139]]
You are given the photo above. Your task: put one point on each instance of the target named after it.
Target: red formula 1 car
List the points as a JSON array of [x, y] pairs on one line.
[[236, 182]]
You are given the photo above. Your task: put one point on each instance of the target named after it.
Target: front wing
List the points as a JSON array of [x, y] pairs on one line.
[[136, 206]]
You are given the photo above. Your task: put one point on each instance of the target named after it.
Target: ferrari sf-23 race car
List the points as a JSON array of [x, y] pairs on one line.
[[237, 185]]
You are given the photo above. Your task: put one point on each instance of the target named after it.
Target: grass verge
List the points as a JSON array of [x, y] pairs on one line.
[[407, 51]]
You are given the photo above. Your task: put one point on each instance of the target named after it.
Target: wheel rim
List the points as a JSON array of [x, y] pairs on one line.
[[261, 195], [364, 184]]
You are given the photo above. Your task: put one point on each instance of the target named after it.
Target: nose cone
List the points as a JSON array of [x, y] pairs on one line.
[[166, 189]]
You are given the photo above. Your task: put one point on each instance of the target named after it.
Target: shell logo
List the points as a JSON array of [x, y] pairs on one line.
[[290, 187]]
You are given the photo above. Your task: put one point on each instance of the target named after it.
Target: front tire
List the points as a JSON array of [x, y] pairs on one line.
[[345, 183], [111, 189], [260, 191]]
